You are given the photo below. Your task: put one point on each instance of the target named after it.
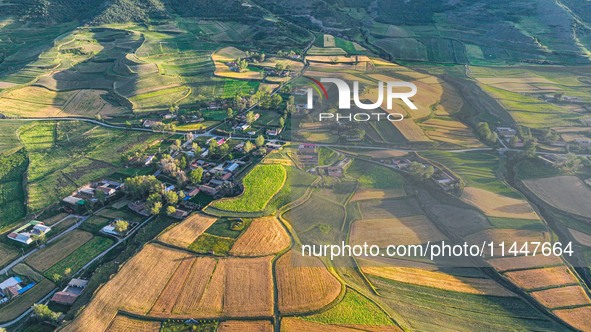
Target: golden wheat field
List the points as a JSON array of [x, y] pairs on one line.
[[562, 297], [580, 317], [127, 324], [304, 284], [264, 236], [243, 325], [187, 231]]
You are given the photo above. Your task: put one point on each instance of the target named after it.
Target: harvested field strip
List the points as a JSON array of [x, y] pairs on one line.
[[290, 324], [171, 292], [524, 262], [125, 324], [264, 236], [567, 193], [199, 293], [439, 280], [185, 233], [242, 326], [58, 250], [304, 284], [402, 231], [495, 205], [248, 288], [562, 297], [580, 318], [137, 285], [371, 194], [542, 278]]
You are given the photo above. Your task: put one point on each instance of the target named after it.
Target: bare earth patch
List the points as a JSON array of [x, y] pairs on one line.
[[495, 205], [562, 297]]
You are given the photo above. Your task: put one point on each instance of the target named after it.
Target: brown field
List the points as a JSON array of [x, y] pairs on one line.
[[304, 284], [206, 287], [248, 289], [541, 278], [243, 325], [508, 235], [385, 209], [329, 41], [202, 291], [137, 285], [126, 324], [579, 318], [438, 280], [402, 231], [58, 250], [580, 237], [523, 262], [185, 233], [337, 58], [290, 324], [34, 102], [495, 205], [566, 193], [370, 193], [264, 236], [385, 154], [562, 297]]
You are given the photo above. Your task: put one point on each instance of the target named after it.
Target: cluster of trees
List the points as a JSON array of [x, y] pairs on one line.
[[420, 172], [572, 165], [221, 150], [265, 99], [43, 313], [164, 127], [58, 277], [157, 201], [486, 133], [142, 186], [241, 64], [256, 56], [290, 54]]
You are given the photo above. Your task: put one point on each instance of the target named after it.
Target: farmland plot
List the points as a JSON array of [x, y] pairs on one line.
[[60, 249], [124, 324], [304, 284], [542, 278], [562, 297], [187, 231], [567, 193], [405, 230], [264, 236], [242, 325]]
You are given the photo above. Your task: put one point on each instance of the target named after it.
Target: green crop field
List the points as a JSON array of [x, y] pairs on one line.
[[260, 185], [8, 137], [477, 169], [317, 221], [80, 257], [12, 196], [354, 309], [208, 243], [429, 308], [375, 176], [66, 155]]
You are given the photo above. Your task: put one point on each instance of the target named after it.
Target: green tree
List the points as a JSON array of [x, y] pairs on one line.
[[420, 172], [486, 133], [281, 122], [530, 147], [121, 226], [67, 272], [223, 149], [183, 162], [259, 141], [43, 313], [170, 210], [181, 195], [250, 117], [196, 148], [248, 146], [156, 208], [100, 196], [196, 175], [171, 197], [572, 165], [229, 113]]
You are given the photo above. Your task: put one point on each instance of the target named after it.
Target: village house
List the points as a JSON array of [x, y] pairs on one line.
[[12, 287], [273, 131], [506, 132], [139, 207], [72, 291], [26, 234], [307, 149], [179, 214], [151, 123]]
